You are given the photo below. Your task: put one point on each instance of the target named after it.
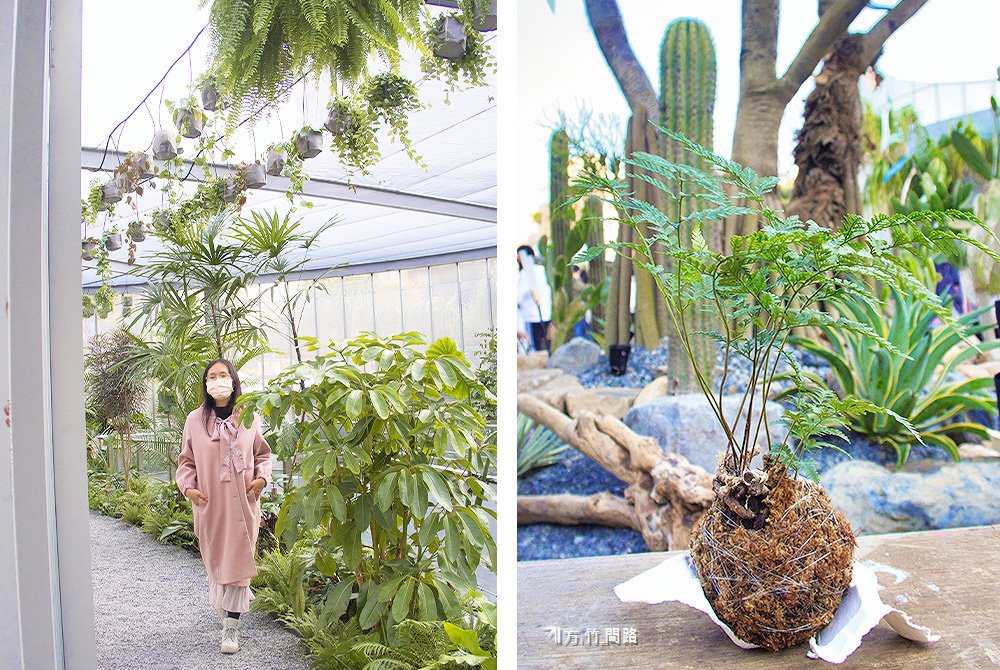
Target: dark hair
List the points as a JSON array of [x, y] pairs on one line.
[[207, 401], [525, 248]]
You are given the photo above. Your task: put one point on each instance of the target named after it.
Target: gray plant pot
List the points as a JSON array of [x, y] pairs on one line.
[[162, 221], [308, 143], [189, 123], [450, 41], [211, 99], [113, 242], [485, 20], [136, 234], [87, 255], [338, 121], [163, 146], [255, 176], [274, 161], [110, 193], [231, 193], [124, 184], [143, 165], [89, 246]]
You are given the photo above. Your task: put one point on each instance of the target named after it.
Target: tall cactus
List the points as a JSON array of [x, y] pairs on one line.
[[597, 269], [687, 101], [560, 218]]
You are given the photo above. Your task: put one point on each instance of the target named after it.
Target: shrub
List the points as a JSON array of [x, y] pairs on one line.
[[905, 368], [394, 466], [537, 446]]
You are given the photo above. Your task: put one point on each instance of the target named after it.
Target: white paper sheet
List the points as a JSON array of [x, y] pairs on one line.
[[675, 580]]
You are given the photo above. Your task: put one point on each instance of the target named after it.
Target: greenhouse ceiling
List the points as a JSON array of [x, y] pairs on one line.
[[402, 214]]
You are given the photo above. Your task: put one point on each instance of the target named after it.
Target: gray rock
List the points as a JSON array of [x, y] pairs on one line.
[[877, 500], [686, 425], [575, 356], [606, 400], [531, 380]]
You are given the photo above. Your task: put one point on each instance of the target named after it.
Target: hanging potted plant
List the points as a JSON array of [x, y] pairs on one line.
[[275, 160], [461, 70], [161, 220], [88, 307], [448, 37], [137, 231], [110, 193], [211, 98], [339, 118], [391, 99], [484, 14], [141, 165], [773, 555], [113, 240], [164, 148], [124, 183], [254, 175], [190, 120], [89, 247], [308, 142]]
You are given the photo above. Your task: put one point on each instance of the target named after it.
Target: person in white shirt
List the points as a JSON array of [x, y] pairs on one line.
[[534, 298]]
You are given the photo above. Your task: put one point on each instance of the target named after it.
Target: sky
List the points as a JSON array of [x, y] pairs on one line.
[[946, 41]]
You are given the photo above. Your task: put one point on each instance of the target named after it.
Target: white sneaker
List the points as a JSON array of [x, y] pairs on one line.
[[230, 642]]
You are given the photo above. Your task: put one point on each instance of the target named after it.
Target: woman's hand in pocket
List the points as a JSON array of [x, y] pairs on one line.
[[255, 487], [196, 496]]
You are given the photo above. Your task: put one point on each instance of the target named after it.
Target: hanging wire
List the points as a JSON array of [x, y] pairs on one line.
[[121, 123]]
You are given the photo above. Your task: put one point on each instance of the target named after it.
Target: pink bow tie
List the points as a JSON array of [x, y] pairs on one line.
[[225, 432]]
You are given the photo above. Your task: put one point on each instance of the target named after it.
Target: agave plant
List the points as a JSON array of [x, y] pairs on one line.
[[909, 373], [537, 446]]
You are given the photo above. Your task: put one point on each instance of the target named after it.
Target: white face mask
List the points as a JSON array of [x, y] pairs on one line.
[[220, 389]]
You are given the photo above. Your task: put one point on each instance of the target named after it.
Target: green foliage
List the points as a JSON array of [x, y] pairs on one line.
[[771, 281], [561, 216], [259, 48], [394, 469], [391, 98], [537, 446], [485, 402], [357, 146], [903, 364], [475, 64], [156, 507]]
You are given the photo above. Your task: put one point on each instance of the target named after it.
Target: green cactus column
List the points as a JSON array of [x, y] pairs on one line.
[[597, 269], [687, 102], [560, 218]]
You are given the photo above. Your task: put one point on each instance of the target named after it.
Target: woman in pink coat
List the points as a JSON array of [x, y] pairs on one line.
[[222, 468]]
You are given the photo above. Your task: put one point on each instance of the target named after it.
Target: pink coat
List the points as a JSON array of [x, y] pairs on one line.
[[220, 459]]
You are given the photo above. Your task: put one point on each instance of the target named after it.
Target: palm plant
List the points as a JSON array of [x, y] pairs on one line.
[[906, 368]]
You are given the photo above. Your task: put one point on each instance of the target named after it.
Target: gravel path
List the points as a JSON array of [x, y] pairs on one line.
[[151, 610]]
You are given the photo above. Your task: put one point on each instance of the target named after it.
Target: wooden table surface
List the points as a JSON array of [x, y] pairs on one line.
[[953, 587]]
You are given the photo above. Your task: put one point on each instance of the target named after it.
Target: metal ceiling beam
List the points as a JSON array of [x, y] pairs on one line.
[[327, 189]]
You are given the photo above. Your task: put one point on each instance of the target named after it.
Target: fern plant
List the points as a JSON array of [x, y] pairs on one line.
[[771, 282], [915, 387]]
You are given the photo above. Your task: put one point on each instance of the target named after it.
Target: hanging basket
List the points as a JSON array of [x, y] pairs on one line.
[[89, 246], [211, 99], [142, 165], [338, 120], [161, 221], [190, 122], [163, 146], [274, 161], [232, 190], [308, 143], [113, 241], [254, 175], [449, 38], [137, 232], [110, 193], [484, 18], [87, 255], [124, 184]]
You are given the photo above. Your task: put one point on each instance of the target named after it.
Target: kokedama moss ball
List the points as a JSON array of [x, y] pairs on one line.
[[778, 585]]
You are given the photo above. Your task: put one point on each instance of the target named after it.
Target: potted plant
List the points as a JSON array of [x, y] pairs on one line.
[[211, 98], [124, 183], [484, 15], [161, 220], [339, 118], [141, 165], [137, 231], [110, 193], [233, 189], [448, 37], [190, 121], [275, 160], [113, 241], [89, 247], [254, 175], [308, 142], [773, 556], [164, 148]]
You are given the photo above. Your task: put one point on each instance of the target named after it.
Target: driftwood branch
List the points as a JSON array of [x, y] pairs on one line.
[[832, 25], [609, 29], [664, 496], [875, 38]]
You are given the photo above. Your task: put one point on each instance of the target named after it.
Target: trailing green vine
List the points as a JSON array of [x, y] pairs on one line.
[[468, 71]]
